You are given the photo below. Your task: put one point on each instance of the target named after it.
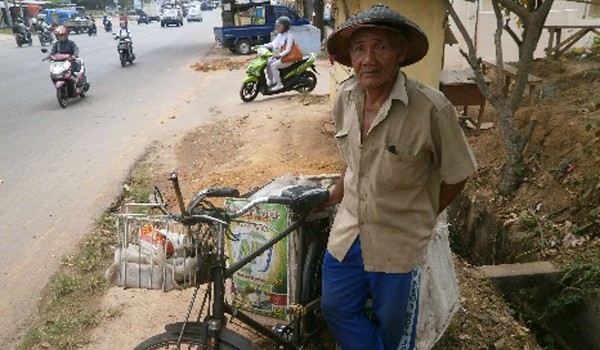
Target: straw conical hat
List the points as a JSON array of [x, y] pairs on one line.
[[378, 16]]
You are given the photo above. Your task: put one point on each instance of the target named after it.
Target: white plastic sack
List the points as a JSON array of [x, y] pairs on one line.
[[439, 293], [147, 266]]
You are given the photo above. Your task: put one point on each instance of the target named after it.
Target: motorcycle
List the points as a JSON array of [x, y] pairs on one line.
[[68, 85], [92, 30], [23, 37], [295, 77], [45, 37], [125, 49], [107, 25]]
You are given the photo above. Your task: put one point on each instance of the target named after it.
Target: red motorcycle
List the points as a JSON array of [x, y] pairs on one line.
[[68, 84]]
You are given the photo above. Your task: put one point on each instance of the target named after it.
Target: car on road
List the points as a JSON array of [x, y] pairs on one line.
[[195, 14], [143, 17], [171, 16]]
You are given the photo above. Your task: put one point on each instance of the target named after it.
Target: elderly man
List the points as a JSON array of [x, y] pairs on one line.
[[406, 160]]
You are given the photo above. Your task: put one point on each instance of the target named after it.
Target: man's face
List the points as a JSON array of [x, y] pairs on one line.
[[376, 56], [62, 37]]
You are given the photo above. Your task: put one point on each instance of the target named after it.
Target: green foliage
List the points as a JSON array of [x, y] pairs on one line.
[[581, 279], [528, 221], [65, 284], [530, 224], [596, 46], [594, 128], [139, 188]]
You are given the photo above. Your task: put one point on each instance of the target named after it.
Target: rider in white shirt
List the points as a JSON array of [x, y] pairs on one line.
[[123, 34], [284, 38]]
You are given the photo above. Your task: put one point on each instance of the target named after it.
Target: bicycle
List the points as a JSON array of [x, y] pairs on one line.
[[207, 227]]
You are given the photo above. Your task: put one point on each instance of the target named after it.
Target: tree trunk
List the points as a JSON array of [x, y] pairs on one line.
[[317, 20], [308, 9], [514, 147], [515, 141]]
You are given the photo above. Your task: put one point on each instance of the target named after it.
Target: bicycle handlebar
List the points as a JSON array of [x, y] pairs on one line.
[[211, 192], [302, 199], [299, 199]]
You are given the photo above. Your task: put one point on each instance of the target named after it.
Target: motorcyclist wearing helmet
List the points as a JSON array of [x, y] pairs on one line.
[[123, 19], [67, 47], [123, 34], [281, 46], [46, 30], [20, 27], [107, 23]]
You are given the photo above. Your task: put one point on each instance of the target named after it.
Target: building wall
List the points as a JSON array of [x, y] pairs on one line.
[[428, 14]]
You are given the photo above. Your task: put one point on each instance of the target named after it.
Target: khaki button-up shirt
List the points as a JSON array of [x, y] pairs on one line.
[[393, 176]]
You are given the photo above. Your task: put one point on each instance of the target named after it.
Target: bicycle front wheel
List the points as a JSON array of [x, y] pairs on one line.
[[228, 340]]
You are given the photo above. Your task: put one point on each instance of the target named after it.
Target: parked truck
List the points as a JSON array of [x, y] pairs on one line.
[[254, 24], [74, 18], [153, 11]]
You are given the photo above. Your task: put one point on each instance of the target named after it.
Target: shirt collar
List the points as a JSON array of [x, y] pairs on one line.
[[398, 90]]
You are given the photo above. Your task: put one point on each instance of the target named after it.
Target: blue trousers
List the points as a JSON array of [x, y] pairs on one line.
[[346, 288]]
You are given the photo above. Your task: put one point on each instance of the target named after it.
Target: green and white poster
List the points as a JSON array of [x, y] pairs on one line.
[[261, 286]]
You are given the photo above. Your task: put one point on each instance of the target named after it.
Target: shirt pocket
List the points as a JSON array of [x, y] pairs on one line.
[[400, 167]]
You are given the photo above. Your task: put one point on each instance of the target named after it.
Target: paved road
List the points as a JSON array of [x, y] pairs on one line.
[[60, 168]]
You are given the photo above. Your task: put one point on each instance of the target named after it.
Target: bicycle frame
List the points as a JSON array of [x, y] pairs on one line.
[[216, 320], [288, 336]]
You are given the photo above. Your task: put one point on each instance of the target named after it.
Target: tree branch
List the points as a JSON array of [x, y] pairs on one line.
[[472, 56], [512, 34], [513, 6], [498, 42]]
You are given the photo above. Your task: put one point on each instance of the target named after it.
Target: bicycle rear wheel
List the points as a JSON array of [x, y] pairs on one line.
[[228, 340], [314, 329]]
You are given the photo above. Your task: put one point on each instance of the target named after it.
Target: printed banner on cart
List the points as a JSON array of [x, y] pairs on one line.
[[261, 286]]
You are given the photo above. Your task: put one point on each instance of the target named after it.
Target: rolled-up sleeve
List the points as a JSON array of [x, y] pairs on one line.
[[455, 157]]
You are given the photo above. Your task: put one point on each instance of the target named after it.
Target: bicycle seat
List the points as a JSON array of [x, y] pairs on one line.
[[305, 198]]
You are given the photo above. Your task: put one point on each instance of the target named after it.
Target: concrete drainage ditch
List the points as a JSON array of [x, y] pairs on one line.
[[530, 286]]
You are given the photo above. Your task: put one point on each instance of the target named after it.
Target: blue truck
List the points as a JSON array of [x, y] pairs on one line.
[[73, 17], [255, 23]]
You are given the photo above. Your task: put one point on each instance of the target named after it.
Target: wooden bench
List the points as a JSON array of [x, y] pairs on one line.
[[510, 73], [460, 89], [557, 46]]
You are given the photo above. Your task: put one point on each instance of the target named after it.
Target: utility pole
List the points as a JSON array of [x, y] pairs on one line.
[[228, 13]]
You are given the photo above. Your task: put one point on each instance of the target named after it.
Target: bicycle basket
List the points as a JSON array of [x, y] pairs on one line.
[[157, 252]]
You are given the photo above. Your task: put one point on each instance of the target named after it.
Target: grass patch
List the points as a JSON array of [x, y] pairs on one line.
[[69, 307], [139, 189]]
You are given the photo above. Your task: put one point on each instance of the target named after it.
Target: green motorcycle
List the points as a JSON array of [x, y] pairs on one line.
[[295, 77]]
